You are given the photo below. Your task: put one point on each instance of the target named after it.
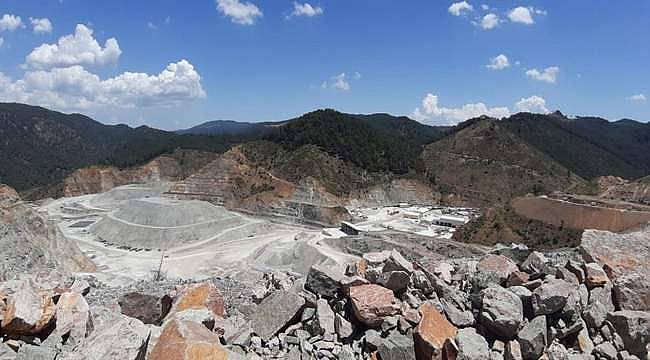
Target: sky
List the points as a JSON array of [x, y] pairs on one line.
[[173, 64]]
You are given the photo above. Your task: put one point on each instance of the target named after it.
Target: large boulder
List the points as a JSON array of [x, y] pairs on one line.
[[29, 311], [471, 345], [324, 281], [634, 329], [275, 312], [150, 309], [551, 296], [199, 296], [432, 334], [502, 312], [122, 338], [186, 340], [498, 265], [73, 317], [625, 259], [372, 303], [533, 338]]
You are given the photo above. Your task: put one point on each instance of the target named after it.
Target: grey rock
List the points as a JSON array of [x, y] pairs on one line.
[[606, 351], [347, 353], [557, 351], [396, 347], [6, 352], [456, 316], [594, 315], [534, 263], [325, 317], [394, 280], [533, 338], [513, 351], [471, 345], [389, 323], [31, 352], [602, 295], [80, 286], [551, 296], [323, 281], [373, 339], [275, 312], [502, 312], [634, 329]]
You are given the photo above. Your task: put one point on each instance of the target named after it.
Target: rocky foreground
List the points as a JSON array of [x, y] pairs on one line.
[[509, 304]]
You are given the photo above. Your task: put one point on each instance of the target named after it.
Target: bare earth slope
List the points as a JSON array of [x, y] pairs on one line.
[[29, 243]]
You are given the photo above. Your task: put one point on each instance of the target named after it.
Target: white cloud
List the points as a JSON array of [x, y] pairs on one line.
[[431, 112], [305, 9], [489, 21], [637, 98], [498, 62], [41, 26], [74, 88], [2, 41], [243, 13], [357, 75], [533, 104], [548, 75], [9, 22], [460, 8], [524, 15], [77, 49], [152, 26], [341, 81], [485, 7]]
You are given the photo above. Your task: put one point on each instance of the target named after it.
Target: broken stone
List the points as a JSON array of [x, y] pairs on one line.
[[499, 265], [460, 318], [371, 303], [350, 281], [394, 280], [30, 310], [323, 281], [73, 317], [186, 340], [533, 338], [198, 296], [606, 351], [513, 351], [584, 341], [566, 275], [517, 278], [325, 317], [275, 312], [396, 347], [595, 275], [594, 315], [409, 314], [31, 352], [502, 312], [471, 345], [535, 263], [343, 327], [634, 329], [431, 333], [149, 309], [551, 296], [80, 286]]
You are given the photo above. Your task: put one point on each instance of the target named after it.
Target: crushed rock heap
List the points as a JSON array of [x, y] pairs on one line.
[[512, 303]]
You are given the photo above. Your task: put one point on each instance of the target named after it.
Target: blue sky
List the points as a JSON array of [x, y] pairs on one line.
[[272, 60]]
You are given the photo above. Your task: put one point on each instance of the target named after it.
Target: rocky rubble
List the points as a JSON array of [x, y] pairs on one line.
[[509, 304]]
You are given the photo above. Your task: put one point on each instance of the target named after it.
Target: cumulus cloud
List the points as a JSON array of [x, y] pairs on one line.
[[305, 9], [524, 15], [533, 104], [2, 41], [460, 8], [488, 22], [637, 98], [431, 112], [243, 13], [80, 48], [341, 81], [75, 88], [41, 26], [9, 22], [548, 75], [498, 62]]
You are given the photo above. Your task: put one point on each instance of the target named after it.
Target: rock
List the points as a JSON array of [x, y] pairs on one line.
[[29, 311], [73, 317], [566, 275], [625, 258], [150, 309], [275, 312], [350, 281], [499, 265], [606, 351], [420, 281], [444, 270], [80, 286], [185, 340], [533, 338], [377, 263], [198, 296], [323, 281], [394, 280], [432, 333], [6, 352], [123, 338], [325, 317], [513, 351], [31, 352], [343, 327], [584, 342], [535, 263], [460, 318], [517, 278], [594, 315], [576, 269], [409, 314], [502, 312], [396, 347], [595, 275], [634, 329], [551, 296], [371, 303], [471, 345]]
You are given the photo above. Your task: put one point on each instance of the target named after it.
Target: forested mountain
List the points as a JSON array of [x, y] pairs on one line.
[[224, 127]]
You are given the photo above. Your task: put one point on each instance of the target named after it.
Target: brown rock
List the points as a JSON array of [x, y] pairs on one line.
[[29, 311], [625, 259], [517, 278], [371, 303], [595, 275], [3, 305], [73, 316], [150, 309], [185, 340], [497, 264], [198, 296], [432, 333]]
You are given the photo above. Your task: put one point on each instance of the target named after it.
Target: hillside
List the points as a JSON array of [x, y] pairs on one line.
[[224, 127]]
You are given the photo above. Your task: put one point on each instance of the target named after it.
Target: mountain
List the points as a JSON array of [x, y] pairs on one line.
[[224, 127]]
